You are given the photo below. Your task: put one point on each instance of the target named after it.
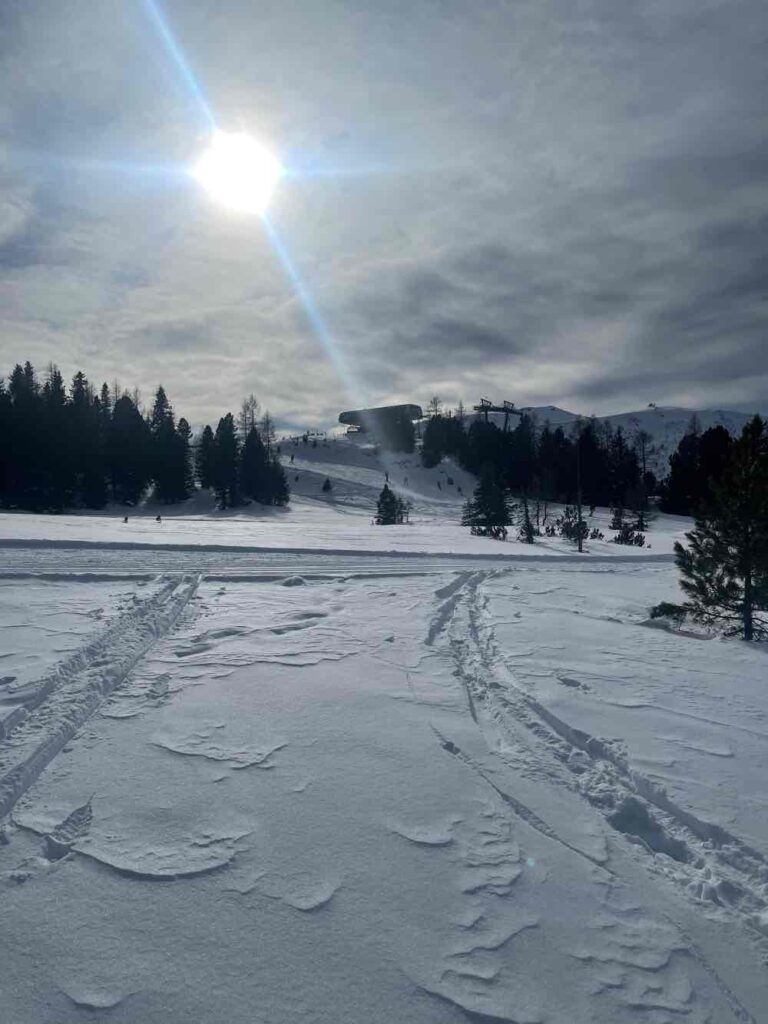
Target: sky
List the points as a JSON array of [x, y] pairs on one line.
[[547, 201]]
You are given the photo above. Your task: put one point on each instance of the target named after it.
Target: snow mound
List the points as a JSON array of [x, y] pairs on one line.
[[214, 747]]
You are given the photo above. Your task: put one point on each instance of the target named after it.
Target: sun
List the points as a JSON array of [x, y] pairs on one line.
[[238, 172]]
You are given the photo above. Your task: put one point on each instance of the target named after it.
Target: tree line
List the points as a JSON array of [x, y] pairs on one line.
[[75, 447], [720, 480], [600, 464]]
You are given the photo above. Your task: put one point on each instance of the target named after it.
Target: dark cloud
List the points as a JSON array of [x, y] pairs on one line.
[[561, 202]]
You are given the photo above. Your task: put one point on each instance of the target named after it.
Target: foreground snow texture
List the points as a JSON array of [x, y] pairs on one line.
[[428, 796]]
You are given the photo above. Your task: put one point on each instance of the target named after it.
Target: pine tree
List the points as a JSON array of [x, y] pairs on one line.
[[682, 486], [6, 414], [725, 566], [527, 530], [389, 508], [254, 468], [279, 492], [204, 459], [571, 526], [27, 485], [169, 457], [226, 463], [58, 448], [129, 452], [87, 439], [186, 468], [489, 511]]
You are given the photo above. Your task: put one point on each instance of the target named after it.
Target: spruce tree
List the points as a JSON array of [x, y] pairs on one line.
[[527, 530], [58, 449], [682, 486], [226, 463], [279, 492], [725, 566], [389, 508], [6, 413], [87, 438], [204, 459], [254, 468], [489, 511], [129, 452], [168, 453], [186, 472], [26, 448]]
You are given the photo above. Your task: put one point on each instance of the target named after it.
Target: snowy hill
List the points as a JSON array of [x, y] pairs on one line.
[[358, 470], [665, 424]]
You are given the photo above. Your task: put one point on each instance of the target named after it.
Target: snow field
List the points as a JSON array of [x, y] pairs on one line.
[[359, 799]]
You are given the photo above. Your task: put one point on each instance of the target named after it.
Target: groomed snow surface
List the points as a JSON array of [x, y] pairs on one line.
[[261, 787]]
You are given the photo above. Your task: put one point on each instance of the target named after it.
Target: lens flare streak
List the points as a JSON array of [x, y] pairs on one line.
[[180, 60], [313, 314]]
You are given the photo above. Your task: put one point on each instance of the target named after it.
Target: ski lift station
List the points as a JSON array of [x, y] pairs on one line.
[[378, 420]]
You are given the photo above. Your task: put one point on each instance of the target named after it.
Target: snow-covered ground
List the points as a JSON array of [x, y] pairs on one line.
[[251, 779], [392, 799]]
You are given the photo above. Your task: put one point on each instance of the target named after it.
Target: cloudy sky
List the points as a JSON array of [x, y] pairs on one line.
[[551, 201]]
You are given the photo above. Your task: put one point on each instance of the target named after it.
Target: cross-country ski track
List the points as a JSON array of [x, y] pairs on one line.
[[276, 786]]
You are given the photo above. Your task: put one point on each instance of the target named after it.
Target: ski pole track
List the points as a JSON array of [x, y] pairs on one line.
[[51, 712], [714, 868]]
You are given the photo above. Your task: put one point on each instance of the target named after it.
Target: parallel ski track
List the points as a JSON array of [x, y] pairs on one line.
[[496, 700], [52, 711]]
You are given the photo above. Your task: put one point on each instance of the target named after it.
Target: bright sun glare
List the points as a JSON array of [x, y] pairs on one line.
[[239, 172]]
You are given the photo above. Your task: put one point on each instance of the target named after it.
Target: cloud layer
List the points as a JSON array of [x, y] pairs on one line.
[[551, 202]]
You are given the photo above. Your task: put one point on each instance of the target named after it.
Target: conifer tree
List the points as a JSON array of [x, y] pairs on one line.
[[489, 511], [725, 566], [226, 463], [129, 452], [389, 508], [527, 530], [6, 414], [279, 492], [87, 440], [204, 459], [26, 475], [57, 447], [254, 468], [186, 472], [682, 486], [168, 462]]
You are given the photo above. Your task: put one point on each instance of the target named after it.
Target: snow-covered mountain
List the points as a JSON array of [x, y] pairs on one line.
[[665, 424]]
